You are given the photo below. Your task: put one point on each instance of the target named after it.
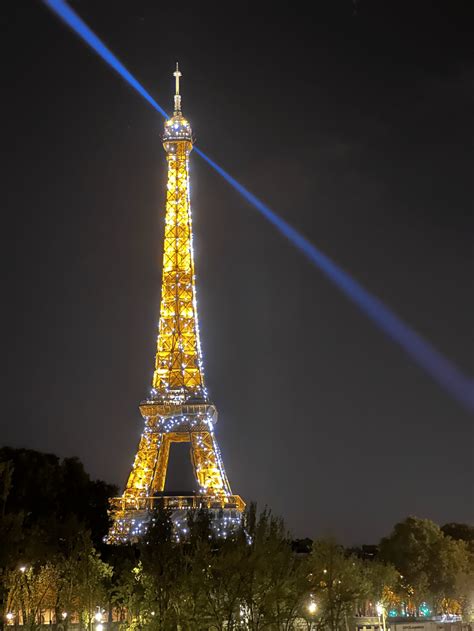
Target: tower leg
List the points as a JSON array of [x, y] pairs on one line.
[[161, 467], [143, 470], [207, 464]]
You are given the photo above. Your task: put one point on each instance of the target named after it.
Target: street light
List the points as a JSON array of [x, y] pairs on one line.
[[22, 568], [98, 617], [381, 612], [312, 607]]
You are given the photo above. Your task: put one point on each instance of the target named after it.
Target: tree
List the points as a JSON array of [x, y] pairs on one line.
[[465, 591], [83, 580], [224, 579], [429, 563], [337, 582], [271, 585], [382, 581], [450, 561], [464, 582], [11, 537], [119, 587], [6, 473], [56, 497], [160, 573], [30, 591], [460, 532], [410, 549]]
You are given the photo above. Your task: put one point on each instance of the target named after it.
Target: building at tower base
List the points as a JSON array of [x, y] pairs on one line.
[[131, 521]]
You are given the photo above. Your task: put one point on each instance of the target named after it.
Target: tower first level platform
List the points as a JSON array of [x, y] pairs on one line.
[[178, 408]]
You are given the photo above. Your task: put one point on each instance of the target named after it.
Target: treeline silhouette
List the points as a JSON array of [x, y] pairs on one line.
[[53, 520]]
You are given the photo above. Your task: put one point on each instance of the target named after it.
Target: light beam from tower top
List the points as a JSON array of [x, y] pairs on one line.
[[439, 367]]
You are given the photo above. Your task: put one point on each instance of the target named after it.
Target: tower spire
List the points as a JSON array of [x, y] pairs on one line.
[[177, 97]]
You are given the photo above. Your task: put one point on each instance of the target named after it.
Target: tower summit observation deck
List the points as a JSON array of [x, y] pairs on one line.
[[178, 408]]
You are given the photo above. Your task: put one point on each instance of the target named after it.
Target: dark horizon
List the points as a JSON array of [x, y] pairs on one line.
[[357, 128]]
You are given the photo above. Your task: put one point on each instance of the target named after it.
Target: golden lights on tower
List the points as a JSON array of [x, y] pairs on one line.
[[178, 408]]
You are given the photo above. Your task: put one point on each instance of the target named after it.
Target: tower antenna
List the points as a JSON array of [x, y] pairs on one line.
[[177, 97]]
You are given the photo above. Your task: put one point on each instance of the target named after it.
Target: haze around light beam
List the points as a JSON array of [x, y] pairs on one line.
[[441, 369]]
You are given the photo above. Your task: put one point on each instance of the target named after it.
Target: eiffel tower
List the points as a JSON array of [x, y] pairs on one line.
[[178, 408]]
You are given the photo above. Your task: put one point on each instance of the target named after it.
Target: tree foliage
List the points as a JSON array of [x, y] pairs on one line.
[[338, 582], [53, 517], [428, 561]]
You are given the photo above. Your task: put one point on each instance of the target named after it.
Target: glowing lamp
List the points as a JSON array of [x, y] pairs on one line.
[[312, 607]]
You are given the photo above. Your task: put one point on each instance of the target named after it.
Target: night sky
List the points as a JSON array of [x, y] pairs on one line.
[[355, 123]]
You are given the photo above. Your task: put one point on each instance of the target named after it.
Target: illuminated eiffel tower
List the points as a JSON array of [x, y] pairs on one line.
[[178, 408]]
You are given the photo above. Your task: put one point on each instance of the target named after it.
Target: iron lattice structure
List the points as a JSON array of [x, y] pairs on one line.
[[178, 408]]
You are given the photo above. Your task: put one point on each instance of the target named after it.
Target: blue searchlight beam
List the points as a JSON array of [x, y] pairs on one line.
[[441, 369]]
